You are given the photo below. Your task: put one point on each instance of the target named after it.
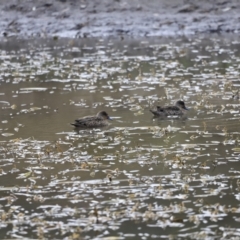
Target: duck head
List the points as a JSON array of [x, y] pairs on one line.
[[181, 104], [103, 115]]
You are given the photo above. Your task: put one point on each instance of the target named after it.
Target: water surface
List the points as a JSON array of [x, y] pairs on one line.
[[139, 178]]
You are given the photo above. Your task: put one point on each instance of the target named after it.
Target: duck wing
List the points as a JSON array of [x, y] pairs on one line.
[[89, 122], [173, 110], [86, 119], [159, 112]]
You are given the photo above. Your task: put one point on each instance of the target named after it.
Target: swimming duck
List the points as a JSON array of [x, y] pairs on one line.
[[177, 110], [100, 120]]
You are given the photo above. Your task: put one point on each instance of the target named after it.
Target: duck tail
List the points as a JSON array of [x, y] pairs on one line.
[[153, 112]]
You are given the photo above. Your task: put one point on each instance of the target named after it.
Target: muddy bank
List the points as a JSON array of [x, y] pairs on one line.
[[95, 18]]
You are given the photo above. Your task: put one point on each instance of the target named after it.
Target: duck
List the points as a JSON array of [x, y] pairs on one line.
[[177, 110], [100, 120]]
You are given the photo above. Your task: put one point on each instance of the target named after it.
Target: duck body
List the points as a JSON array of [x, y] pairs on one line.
[[178, 110], [100, 120]]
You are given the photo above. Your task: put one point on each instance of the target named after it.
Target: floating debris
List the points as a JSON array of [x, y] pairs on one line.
[[176, 174]]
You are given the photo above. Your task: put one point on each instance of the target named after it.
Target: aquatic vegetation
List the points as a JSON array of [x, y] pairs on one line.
[[179, 175]]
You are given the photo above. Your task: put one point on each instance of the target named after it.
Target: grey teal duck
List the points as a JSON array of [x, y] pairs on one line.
[[100, 120], [177, 110]]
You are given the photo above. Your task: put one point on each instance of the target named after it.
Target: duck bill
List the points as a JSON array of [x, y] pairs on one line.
[[109, 118]]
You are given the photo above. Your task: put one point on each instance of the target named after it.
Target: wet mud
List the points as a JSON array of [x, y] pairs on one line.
[[104, 18]]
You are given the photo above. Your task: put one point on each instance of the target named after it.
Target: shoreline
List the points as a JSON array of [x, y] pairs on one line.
[[104, 18]]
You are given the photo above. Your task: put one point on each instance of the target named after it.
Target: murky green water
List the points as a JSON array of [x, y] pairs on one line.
[[139, 178]]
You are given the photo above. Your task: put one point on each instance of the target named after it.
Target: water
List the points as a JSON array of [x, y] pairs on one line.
[[139, 178]]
